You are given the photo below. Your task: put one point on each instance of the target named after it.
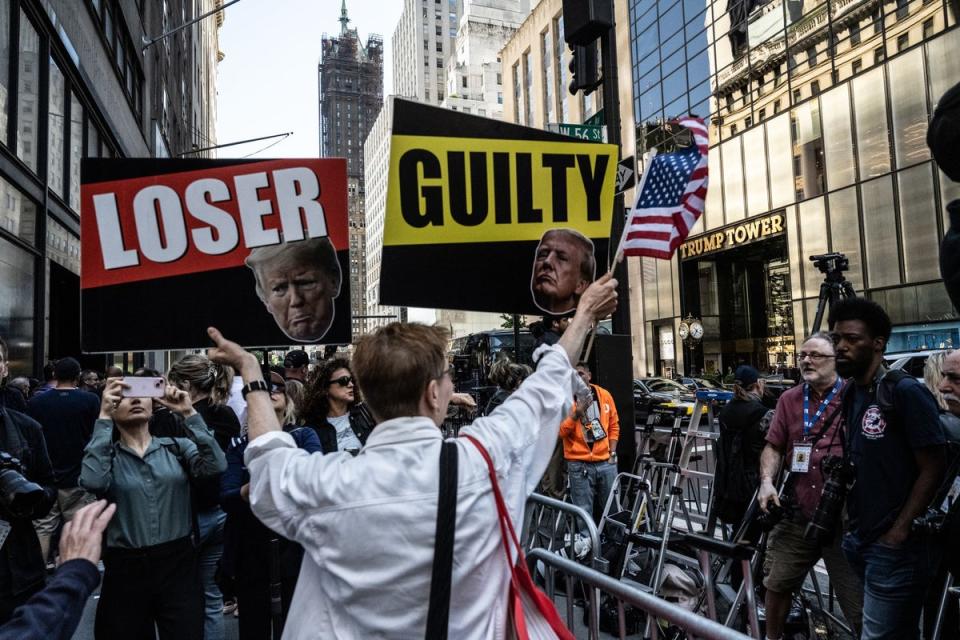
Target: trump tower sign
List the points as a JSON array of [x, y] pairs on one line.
[[484, 215], [258, 249]]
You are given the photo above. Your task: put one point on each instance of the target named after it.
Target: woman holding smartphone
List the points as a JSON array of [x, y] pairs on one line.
[[151, 575]]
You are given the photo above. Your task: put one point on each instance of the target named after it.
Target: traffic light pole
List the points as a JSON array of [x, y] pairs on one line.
[[611, 112]]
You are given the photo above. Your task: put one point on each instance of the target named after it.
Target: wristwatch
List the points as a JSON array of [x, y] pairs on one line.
[[254, 385]]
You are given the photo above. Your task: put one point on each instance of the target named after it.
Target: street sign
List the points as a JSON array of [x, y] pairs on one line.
[[580, 131], [596, 119], [626, 174]]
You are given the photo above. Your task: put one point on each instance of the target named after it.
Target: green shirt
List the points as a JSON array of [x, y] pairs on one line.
[[152, 493]]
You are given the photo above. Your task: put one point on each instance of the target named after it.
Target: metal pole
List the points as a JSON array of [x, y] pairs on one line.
[[611, 113], [149, 42], [516, 338]]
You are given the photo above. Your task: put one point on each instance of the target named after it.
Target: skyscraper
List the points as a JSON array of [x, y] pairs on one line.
[[351, 94], [422, 43]]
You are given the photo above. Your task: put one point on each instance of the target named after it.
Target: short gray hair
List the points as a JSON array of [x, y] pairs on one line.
[[820, 335]]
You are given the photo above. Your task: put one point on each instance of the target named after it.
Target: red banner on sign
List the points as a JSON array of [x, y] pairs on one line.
[[184, 222]]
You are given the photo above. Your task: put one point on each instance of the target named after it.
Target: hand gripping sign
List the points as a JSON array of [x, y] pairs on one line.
[[484, 215], [169, 247]]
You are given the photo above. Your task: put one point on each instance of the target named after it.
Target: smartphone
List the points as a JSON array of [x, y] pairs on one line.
[[143, 388]]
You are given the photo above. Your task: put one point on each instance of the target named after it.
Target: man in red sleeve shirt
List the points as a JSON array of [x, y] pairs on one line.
[[803, 432]]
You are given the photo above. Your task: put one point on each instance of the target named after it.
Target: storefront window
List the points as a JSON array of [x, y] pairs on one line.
[[908, 102], [780, 159], [813, 239], [62, 246], [942, 63], [76, 150], [838, 137], [55, 127], [732, 180], [808, 150], [873, 146], [18, 215], [918, 222], [16, 305], [879, 233], [756, 171], [845, 232], [28, 86]]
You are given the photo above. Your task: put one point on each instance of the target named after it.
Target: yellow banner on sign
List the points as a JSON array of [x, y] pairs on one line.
[[445, 190]]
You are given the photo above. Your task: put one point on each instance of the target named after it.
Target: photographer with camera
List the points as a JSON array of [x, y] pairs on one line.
[[27, 491], [804, 431], [895, 457]]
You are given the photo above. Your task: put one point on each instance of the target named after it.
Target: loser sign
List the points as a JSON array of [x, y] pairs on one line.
[[488, 216], [170, 247]]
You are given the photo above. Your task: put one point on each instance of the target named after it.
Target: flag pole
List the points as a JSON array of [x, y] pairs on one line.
[[618, 257]]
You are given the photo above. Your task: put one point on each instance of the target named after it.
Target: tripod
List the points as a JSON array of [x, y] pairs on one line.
[[834, 285]]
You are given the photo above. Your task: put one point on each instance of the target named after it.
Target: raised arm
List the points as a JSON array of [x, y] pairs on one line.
[[205, 459], [96, 472]]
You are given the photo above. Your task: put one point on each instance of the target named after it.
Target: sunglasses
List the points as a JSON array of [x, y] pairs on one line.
[[276, 387], [343, 381]]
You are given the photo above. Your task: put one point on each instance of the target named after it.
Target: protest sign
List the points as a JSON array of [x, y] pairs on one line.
[[169, 247], [484, 215]]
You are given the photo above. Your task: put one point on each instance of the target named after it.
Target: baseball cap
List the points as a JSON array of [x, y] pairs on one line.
[[296, 358], [746, 375]]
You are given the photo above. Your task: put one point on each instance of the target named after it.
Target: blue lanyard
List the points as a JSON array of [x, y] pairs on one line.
[[807, 422]]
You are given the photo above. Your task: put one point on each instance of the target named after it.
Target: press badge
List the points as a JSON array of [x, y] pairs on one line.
[[801, 458]]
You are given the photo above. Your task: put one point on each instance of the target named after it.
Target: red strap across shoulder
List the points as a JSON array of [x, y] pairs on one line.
[[520, 579]]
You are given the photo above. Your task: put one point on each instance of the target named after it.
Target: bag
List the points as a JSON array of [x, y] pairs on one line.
[[524, 595]]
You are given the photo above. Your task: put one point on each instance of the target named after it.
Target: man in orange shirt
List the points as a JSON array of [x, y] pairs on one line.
[[589, 438]]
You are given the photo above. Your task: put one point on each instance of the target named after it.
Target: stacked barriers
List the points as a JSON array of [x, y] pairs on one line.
[[658, 539]]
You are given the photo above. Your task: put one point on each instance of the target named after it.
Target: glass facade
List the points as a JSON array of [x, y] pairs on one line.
[[818, 109]]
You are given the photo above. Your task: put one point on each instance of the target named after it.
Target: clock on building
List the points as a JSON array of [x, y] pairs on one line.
[[696, 330], [683, 330]]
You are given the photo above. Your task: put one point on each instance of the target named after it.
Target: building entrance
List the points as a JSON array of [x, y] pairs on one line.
[[743, 297]]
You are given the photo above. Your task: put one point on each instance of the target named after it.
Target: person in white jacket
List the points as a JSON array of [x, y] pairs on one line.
[[367, 523]]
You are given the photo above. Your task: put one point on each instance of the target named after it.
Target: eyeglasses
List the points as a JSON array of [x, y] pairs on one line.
[[276, 387], [343, 381], [449, 370], [814, 357]]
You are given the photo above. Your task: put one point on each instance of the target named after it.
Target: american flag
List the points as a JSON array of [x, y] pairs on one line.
[[671, 199]]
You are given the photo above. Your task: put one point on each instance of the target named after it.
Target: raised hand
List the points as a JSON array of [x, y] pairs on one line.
[[232, 354]]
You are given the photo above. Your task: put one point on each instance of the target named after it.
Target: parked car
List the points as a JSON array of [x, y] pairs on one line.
[[695, 384], [911, 361], [659, 392]]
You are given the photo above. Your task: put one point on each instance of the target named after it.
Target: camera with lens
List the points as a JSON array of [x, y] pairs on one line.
[[18, 496], [775, 513], [839, 475], [831, 263]]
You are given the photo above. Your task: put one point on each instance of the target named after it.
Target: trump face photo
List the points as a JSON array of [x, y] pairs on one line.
[[297, 283], [563, 267]]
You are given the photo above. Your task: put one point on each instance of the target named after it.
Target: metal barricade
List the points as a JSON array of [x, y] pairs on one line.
[[550, 525], [696, 626]]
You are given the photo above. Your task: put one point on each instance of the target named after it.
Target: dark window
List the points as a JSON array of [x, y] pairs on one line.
[[815, 88], [762, 115], [776, 106], [903, 41], [857, 66], [855, 33], [747, 122], [878, 55], [927, 28], [733, 130], [796, 95], [812, 56]]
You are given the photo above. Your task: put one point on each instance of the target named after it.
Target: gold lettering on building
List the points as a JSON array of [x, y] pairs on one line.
[[741, 234]]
